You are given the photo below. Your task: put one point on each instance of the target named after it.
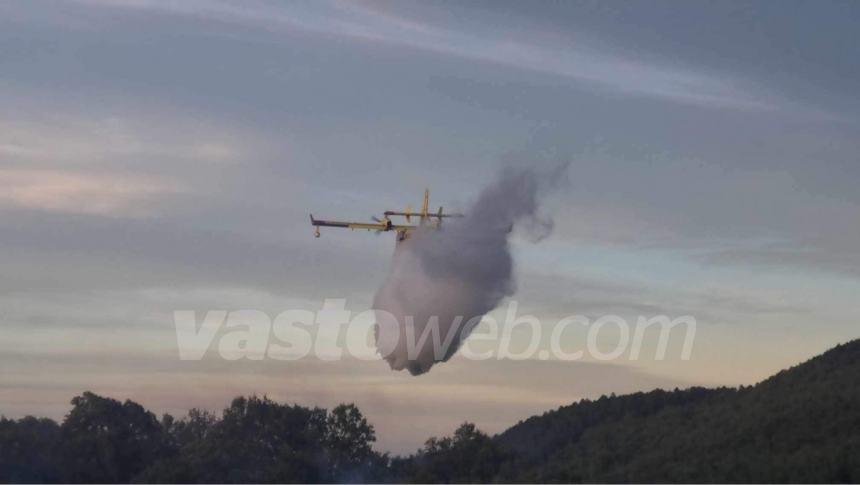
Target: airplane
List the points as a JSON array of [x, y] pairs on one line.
[[425, 218]]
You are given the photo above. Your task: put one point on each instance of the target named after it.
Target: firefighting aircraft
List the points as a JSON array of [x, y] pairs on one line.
[[425, 218]]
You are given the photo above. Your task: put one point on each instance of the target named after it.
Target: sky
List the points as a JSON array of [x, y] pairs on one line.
[[159, 156]]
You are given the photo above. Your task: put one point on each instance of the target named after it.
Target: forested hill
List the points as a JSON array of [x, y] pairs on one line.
[[801, 425]]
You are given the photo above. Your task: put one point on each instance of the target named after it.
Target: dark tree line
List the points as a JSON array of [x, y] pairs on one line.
[[103, 440], [801, 425], [255, 440]]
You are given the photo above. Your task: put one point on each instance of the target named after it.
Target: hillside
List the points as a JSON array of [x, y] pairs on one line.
[[801, 425]]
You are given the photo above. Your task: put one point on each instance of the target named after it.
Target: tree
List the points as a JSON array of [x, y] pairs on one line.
[[103, 440], [27, 450], [349, 438], [469, 456], [256, 440]]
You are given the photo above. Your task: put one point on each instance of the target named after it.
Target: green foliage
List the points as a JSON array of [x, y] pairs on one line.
[[261, 441], [28, 450], [103, 440], [348, 437], [256, 440], [801, 425], [469, 456]]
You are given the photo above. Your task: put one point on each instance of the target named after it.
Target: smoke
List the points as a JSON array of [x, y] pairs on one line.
[[442, 281]]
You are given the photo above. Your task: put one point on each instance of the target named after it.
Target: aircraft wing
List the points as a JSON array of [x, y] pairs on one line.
[[418, 214], [370, 226]]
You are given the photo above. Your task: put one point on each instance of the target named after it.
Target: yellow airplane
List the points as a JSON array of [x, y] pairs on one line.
[[425, 218]]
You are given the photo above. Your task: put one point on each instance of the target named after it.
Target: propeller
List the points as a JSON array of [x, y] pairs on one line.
[[384, 220]]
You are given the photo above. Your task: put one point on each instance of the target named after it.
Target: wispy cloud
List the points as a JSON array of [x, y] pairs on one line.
[[558, 55], [82, 193], [118, 165], [77, 140]]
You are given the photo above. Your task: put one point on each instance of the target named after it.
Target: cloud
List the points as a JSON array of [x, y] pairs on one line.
[[81, 193], [86, 139], [557, 54], [555, 295], [825, 256], [129, 163]]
